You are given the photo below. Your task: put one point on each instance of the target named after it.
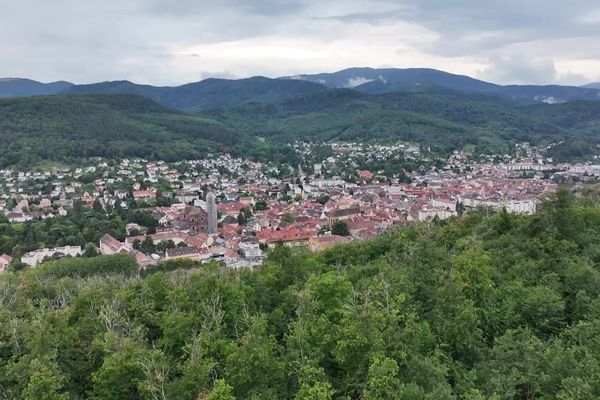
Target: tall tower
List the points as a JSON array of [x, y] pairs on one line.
[[211, 210]]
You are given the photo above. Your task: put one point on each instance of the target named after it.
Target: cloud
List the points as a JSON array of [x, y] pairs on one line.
[[520, 70], [357, 81], [167, 42]]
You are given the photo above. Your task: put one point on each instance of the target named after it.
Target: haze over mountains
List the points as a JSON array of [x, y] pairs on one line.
[[211, 93]]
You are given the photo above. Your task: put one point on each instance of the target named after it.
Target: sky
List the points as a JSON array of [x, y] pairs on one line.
[[172, 42]]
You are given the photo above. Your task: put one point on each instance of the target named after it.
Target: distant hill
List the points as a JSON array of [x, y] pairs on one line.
[[214, 93], [64, 128], [15, 87], [594, 85], [209, 93], [374, 81], [443, 120]]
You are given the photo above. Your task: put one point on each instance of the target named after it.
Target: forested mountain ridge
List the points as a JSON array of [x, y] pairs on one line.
[[209, 93], [489, 306], [383, 80], [62, 128], [212, 92], [15, 87], [443, 120]]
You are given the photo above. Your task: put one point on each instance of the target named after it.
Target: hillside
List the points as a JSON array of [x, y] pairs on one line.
[[443, 120], [16, 87], [209, 93], [63, 128], [491, 306]]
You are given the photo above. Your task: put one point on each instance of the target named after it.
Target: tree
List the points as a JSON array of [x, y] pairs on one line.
[[322, 199], [97, 206], [261, 205], [221, 391], [340, 228], [148, 246], [313, 385], [90, 250], [241, 219], [382, 380], [120, 375], [45, 382], [288, 218], [254, 368]]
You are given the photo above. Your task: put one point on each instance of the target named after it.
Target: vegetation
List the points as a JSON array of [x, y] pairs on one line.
[[81, 225], [490, 306], [63, 128], [340, 228], [442, 120]]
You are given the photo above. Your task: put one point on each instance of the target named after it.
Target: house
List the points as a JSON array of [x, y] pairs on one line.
[[320, 243], [18, 217], [288, 237], [5, 260], [45, 203], [366, 175], [250, 248], [37, 256], [188, 252], [144, 195], [110, 245]]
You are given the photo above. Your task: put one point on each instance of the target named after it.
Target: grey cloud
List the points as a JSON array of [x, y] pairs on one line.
[[165, 42], [520, 70]]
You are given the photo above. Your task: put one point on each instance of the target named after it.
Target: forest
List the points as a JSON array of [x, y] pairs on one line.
[[490, 305]]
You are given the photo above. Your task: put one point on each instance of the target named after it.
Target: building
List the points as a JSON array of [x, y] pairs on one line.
[[5, 260], [110, 245], [250, 248], [145, 195], [189, 252], [192, 220], [323, 242], [211, 211], [37, 256]]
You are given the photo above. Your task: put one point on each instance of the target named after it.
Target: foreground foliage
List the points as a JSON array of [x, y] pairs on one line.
[[494, 306]]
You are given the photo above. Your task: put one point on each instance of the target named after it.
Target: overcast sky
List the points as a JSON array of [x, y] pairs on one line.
[[171, 42]]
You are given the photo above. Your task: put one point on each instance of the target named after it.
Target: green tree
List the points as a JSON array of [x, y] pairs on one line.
[[340, 228], [221, 391], [382, 380]]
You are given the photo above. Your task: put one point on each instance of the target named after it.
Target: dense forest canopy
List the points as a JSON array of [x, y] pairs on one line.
[[489, 306]]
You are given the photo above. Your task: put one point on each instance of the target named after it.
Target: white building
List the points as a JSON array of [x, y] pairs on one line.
[[37, 256]]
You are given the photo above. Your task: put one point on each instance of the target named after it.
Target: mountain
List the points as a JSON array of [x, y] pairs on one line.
[[15, 87], [594, 85], [214, 93], [209, 93], [383, 80], [63, 128]]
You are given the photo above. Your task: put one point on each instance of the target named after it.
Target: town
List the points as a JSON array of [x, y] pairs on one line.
[[233, 210]]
